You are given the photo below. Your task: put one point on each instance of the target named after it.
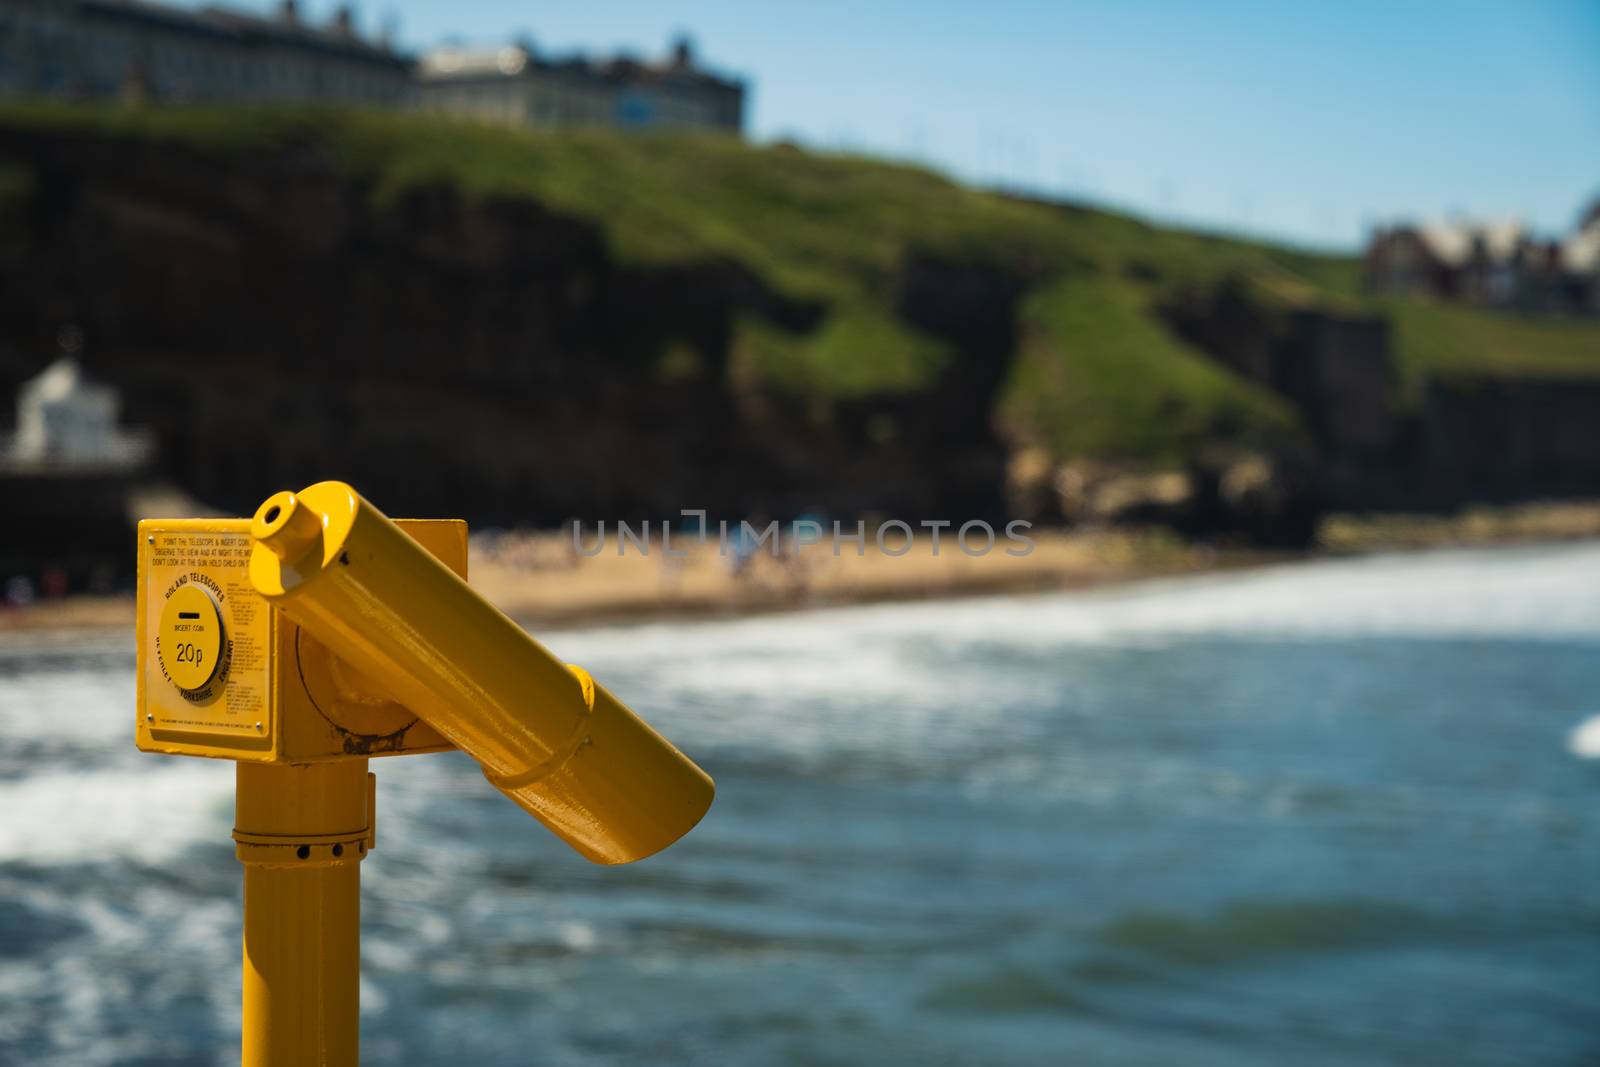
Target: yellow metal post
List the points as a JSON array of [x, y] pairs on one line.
[[301, 832]]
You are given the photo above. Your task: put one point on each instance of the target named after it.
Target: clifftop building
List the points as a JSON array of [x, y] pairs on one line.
[[139, 50], [66, 423], [130, 49], [1491, 264], [518, 87]]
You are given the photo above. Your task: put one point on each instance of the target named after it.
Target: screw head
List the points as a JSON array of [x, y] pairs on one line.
[[258, 726], [149, 717], [150, 539]]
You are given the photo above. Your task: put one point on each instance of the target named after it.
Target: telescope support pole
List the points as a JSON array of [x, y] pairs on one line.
[[301, 831]]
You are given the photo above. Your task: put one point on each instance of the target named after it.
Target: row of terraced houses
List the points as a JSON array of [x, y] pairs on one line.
[[1501, 265], [137, 51]]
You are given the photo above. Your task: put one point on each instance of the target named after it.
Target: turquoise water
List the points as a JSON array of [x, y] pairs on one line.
[[1332, 813]]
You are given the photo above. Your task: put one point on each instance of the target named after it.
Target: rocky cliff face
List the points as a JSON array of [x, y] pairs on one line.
[[1470, 439], [492, 358], [274, 328], [1496, 440]]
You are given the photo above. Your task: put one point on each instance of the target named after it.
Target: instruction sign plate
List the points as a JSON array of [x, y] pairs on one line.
[[207, 637]]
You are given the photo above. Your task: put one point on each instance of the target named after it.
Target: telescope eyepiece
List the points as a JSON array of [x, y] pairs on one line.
[[286, 527]]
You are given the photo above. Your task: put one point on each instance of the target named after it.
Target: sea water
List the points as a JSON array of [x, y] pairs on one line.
[[1340, 812]]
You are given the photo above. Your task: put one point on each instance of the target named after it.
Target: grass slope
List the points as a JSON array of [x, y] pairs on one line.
[[1098, 375], [1441, 340]]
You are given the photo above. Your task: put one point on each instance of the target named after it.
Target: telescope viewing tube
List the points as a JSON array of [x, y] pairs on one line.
[[563, 748]]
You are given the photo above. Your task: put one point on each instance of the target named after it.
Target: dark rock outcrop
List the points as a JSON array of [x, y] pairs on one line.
[[274, 326], [1491, 439], [1470, 439]]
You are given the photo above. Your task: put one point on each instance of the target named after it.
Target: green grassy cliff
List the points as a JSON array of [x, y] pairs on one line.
[[1095, 367]]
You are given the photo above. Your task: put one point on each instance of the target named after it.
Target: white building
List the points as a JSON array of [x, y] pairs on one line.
[[1497, 264], [516, 86], [65, 422], [106, 49]]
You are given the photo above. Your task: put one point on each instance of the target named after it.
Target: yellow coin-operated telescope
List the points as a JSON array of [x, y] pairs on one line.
[[320, 633]]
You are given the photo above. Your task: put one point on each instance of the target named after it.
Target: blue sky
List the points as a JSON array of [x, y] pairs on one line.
[[1304, 121]]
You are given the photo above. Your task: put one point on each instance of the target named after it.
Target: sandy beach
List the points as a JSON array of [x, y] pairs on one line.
[[541, 579]]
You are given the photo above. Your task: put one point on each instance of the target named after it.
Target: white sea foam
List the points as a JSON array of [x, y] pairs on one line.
[[88, 794], [149, 813], [910, 679], [1584, 741], [63, 708], [1544, 592], [903, 676]]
